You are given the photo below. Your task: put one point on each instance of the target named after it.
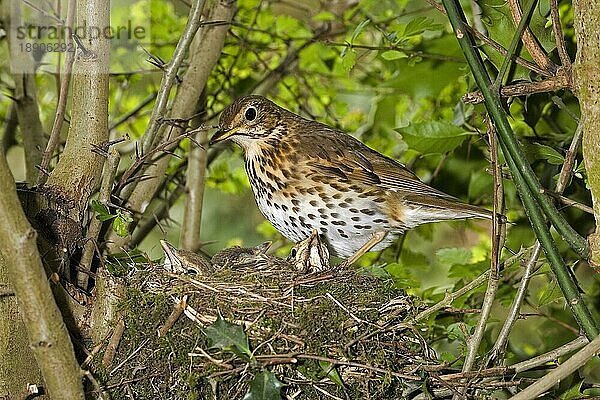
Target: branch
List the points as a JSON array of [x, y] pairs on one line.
[[529, 40], [61, 107], [525, 180], [498, 236], [25, 96], [567, 368], [559, 39], [77, 174], [189, 235], [48, 336], [560, 81], [170, 75]]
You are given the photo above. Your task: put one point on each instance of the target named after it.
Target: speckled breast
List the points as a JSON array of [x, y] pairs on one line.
[[296, 205]]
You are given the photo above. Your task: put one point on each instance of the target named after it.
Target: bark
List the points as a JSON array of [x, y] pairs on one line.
[[47, 335], [77, 173], [586, 82]]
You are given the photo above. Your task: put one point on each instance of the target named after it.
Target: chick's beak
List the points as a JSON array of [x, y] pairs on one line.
[[221, 135]]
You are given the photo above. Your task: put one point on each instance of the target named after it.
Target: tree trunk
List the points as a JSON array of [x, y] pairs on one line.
[[586, 82]]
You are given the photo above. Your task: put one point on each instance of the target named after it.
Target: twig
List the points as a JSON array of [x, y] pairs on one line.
[[131, 113], [174, 316], [340, 305], [567, 368], [170, 75], [513, 314], [564, 177], [559, 39], [151, 219], [498, 235], [61, 107], [500, 49], [552, 355], [115, 339], [529, 40], [560, 81], [568, 202], [129, 357], [102, 394]]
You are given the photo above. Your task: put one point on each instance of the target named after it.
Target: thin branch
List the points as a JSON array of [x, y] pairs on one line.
[[513, 314], [47, 333], [63, 96], [550, 356], [560, 81], [563, 180], [572, 203], [170, 75], [529, 40], [133, 112], [500, 49], [189, 235], [565, 369], [559, 38], [498, 236]]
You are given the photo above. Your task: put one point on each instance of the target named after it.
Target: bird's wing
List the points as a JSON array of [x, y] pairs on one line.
[[338, 156]]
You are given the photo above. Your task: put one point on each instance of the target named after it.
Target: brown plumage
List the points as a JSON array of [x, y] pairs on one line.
[[306, 175]]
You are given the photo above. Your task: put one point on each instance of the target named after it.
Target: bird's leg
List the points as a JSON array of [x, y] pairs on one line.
[[372, 242]]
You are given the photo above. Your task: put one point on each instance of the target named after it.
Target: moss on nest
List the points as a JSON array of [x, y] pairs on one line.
[[340, 332]]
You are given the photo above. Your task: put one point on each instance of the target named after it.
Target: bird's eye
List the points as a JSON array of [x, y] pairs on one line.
[[250, 114], [293, 253]]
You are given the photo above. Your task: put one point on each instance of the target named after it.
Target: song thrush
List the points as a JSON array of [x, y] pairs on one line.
[[306, 175]]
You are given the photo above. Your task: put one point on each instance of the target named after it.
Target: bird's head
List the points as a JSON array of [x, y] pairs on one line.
[[248, 120]]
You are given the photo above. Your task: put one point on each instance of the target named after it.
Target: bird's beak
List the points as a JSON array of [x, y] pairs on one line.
[[221, 135]]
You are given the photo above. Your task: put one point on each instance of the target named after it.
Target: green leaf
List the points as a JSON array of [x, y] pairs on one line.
[[453, 256], [331, 372], [393, 55], [227, 336], [358, 30], [542, 152], [102, 211], [121, 224], [432, 137], [549, 293], [325, 16], [264, 386], [348, 60]]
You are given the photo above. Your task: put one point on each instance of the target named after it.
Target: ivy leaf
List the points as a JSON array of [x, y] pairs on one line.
[[393, 55], [227, 336], [264, 386], [432, 137]]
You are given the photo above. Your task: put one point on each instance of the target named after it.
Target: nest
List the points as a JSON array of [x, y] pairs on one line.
[[338, 334]]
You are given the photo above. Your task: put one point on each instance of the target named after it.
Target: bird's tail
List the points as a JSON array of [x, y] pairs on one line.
[[435, 209]]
